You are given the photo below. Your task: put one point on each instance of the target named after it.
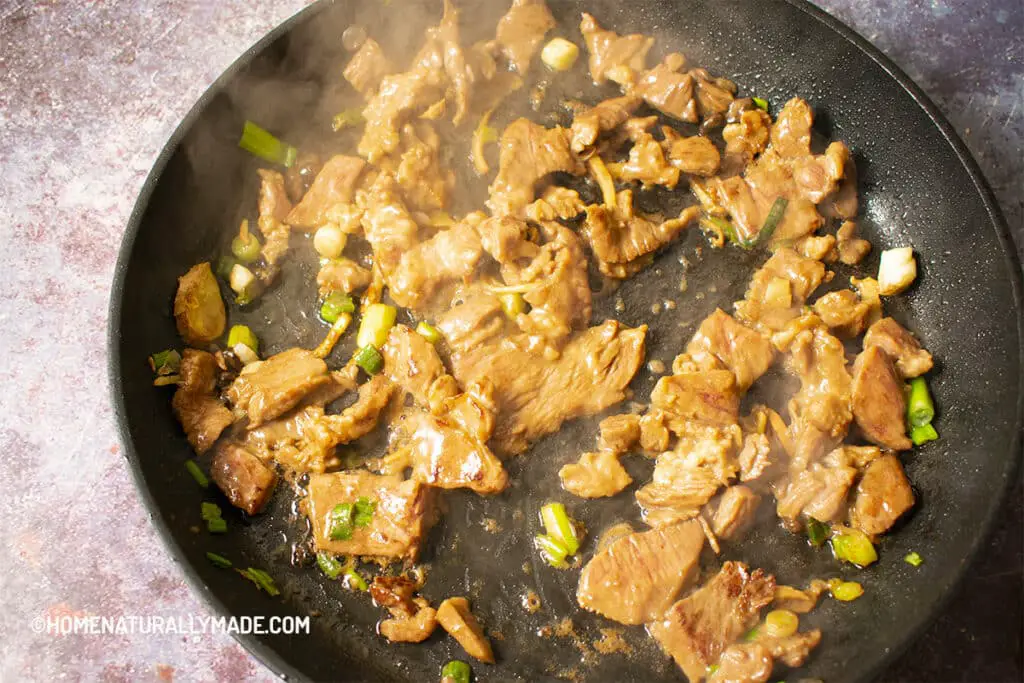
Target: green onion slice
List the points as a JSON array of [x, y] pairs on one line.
[[355, 581], [216, 526], [456, 672], [369, 359], [760, 103], [241, 334], [193, 468], [362, 512], [923, 434], [165, 362], [854, 546], [334, 305], [347, 119], [339, 522], [262, 580], [559, 526], [218, 560], [329, 565], [817, 532], [553, 551], [428, 332], [209, 511], [920, 408], [914, 559], [259, 142], [775, 215]]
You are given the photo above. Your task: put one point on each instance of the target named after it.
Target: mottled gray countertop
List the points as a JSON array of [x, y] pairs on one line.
[[89, 93]]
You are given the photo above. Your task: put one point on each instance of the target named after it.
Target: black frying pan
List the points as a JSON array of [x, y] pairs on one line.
[[919, 186]]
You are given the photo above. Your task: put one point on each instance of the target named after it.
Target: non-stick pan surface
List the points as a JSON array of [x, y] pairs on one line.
[[919, 188]]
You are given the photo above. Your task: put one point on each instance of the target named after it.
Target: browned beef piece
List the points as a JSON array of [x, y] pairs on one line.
[[778, 289], [634, 579], [330, 194], [843, 203], [901, 345], [274, 207], [535, 393], [521, 31], [850, 249], [555, 202], [425, 182], [401, 516], [387, 224], [368, 67], [435, 265], [342, 275], [695, 155], [202, 415], [745, 352], [736, 511], [696, 630], [818, 491], [654, 435], [669, 91], [398, 96], [646, 164], [613, 56], [687, 477], [755, 457], [245, 479], [621, 237], [395, 593], [360, 418], [743, 662], [619, 433], [456, 618], [268, 389], [529, 153], [710, 396], [449, 450], [595, 475], [879, 404], [790, 650], [845, 313], [411, 362], [601, 118], [882, 496], [413, 628], [745, 139]]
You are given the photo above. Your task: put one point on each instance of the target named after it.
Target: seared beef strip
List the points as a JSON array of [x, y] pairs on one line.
[[595, 475], [634, 579], [342, 275], [267, 389], [613, 56], [412, 618], [521, 31], [790, 650], [529, 153], [330, 195], [646, 164], [882, 496], [424, 181], [274, 207], [879, 403], [696, 155], [368, 67], [819, 492], [202, 415], [430, 267], [456, 618], [245, 479], [778, 290], [743, 663], [402, 515], [710, 396], [696, 630], [387, 224], [901, 345], [603, 117], [845, 313], [619, 433], [735, 513], [411, 362], [743, 351]]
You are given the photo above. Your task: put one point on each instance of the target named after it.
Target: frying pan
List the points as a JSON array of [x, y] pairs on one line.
[[919, 187]]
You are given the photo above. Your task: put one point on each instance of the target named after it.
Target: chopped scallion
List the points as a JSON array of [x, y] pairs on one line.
[[362, 512], [552, 550], [209, 511], [817, 532], [752, 634], [267, 147], [456, 672], [923, 434], [225, 264], [355, 581], [512, 303], [559, 526], [339, 522], [781, 623], [775, 215], [914, 559], [241, 334], [369, 359], [329, 565], [218, 560], [854, 546], [165, 362], [845, 591], [193, 468], [245, 247], [334, 305], [262, 580], [760, 103], [920, 409], [428, 332], [347, 119], [216, 526], [378, 319]]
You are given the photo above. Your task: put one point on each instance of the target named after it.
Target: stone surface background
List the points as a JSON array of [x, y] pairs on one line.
[[89, 92]]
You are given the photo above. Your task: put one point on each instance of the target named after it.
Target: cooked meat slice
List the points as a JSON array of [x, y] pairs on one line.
[[342, 275], [622, 236], [601, 118], [267, 389], [595, 475], [819, 492], [901, 345], [613, 56], [328, 198], [687, 477], [411, 362], [710, 396], [799, 601], [695, 155], [445, 455], [529, 153], [635, 578], [790, 650], [882, 496], [654, 435], [428, 269], [745, 352], [736, 512], [413, 628], [202, 415], [535, 393], [424, 181], [743, 663], [198, 308], [843, 203], [368, 67], [555, 202], [696, 630], [274, 207], [395, 593], [755, 456], [400, 518], [646, 164], [388, 227], [619, 433], [360, 418], [778, 289], [745, 139], [456, 618], [851, 249], [244, 478], [521, 30], [879, 404], [669, 91], [791, 134], [398, 96], [845, 313]]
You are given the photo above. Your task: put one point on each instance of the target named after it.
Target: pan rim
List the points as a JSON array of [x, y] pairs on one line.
[[270, 657]]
